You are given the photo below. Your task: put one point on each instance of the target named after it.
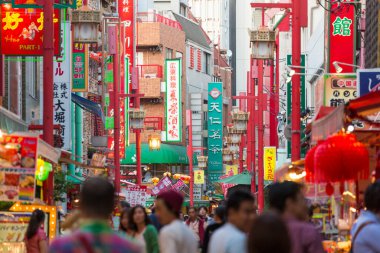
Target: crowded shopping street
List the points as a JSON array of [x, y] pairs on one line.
[[189, 126]]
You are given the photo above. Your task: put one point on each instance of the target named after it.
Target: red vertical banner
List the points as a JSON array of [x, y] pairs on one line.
[[126, 14], [122, 142], [341, 36]]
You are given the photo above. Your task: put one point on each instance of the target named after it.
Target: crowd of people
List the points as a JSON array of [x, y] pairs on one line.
[[234, 226]]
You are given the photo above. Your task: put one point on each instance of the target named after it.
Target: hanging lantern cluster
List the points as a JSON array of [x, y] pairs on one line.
[[341, 157], [202, 161], [227, 155], [155, 180], [167, 174], [184, 178]]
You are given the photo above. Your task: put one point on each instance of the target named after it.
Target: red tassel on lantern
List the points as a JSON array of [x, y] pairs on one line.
[[341, 158]]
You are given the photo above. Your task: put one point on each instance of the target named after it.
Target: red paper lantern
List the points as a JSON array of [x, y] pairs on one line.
[[309, 164], [341, 158], [329, 189]]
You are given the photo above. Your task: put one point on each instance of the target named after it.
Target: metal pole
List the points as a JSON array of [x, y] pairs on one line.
[[272, 106], [260, 137], [116, 106], [48, 79], [190, 155], [296, 96]]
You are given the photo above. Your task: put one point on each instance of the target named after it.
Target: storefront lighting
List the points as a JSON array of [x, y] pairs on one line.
[[353, 209], [339, 69], [350, 129], [349, 194], [1, 134], [85, 25], [154, 143], [296, 176]]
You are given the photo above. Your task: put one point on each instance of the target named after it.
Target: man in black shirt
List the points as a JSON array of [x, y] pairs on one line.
[[219, 218]]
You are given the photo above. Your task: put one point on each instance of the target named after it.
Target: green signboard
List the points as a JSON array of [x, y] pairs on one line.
[[80, 67], [215, 127], [289, 102]]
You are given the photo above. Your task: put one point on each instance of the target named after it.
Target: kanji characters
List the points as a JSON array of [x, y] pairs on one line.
[[40, 20], [215, 121], [11, 20], [215, 107], [342, 26], [215, 149], [215, 134], [59, 106]]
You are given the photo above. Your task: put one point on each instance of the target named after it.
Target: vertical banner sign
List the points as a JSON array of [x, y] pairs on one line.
[[109, 107], [368, 80], [269, 163], [199, 176], [62, 93], [80, 68], [215, 127], [289, 103], [22, 32], [339, 89], [341, 36], [173, 100]]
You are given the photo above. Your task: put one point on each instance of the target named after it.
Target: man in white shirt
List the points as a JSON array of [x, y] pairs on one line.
[[232, 238], [175, 236]]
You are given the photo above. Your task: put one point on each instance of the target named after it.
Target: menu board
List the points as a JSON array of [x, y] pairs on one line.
[[18, 156], [136, 195]]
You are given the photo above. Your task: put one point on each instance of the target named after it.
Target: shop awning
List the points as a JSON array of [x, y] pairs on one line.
[[88, 105], [331, 123], [168, 154], [365, 106], [242, 178], [9, 122]]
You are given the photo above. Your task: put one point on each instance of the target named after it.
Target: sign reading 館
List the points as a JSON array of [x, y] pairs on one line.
[[340, 36], [173, 100], [62, 89], [215, 127], [22, 32]]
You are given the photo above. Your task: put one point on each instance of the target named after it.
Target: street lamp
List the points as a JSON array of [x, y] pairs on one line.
[[290, 71], [263, 43], [86, 25], [339, 69], [202, 161], [154, 142]]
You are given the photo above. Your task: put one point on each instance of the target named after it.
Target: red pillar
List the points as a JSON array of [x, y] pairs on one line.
[[138, 141], [116, 106], [48, 79], [189, 119], [252, 111], [277, 96], [272, 106], [250, 121], [260, 137], [296, 96], [242, 107]]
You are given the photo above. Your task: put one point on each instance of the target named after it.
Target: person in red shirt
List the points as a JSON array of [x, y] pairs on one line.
[[197, 225], [35, 236]]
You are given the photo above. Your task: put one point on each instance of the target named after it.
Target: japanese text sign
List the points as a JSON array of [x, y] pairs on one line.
[[368, 80], [341, 36], [164, 184], [179, 185], [269, 163], [173, 100], [61, 89], [135, 195], [199, 176], [339, 89], [215, 126], [22, 32], [80, 68], [126, 13], [18, 160]]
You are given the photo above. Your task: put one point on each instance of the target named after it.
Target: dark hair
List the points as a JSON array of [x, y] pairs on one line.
[[237, 198], [203, 207], [269, 234], [220, 211], [37, 218], [124, 204], [125, 212], [372, 197], [192, 208], [97, 197], [280, 192], [132, 224]]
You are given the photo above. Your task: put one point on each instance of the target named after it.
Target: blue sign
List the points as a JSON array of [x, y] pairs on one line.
[[368, 80]]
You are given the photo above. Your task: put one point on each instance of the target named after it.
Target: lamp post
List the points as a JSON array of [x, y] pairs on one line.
[[263, 47], [339, 69]]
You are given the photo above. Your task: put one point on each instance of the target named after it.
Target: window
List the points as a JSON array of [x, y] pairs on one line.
[[169, 53], [199, 60], [191, 57], [30, 73], [206, 63]]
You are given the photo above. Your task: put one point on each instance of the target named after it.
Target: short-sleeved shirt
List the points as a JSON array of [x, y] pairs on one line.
[[97, 236], [33, 244], [228, 239]]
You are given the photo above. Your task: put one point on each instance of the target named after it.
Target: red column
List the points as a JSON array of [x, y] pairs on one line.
[[260, 137], [189, 118], [296, 96], [116, 106], [252, 110], [138, 141], [242, 107], [250, 121], [272, 106], [48, 79], [277, 96]]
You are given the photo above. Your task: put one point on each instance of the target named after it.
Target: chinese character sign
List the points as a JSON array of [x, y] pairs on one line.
[[80, 67], [199, 176], [135, 195], [22, 32], [341, 36], [62, 92], [368, 81], [339, 89], [173, 100], [215, 126], [269, 163]]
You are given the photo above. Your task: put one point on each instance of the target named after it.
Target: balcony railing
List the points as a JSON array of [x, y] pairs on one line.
[[150, 71], [144, 17]]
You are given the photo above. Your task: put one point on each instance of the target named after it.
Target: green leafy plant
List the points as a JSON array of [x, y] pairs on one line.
[[61, 185]]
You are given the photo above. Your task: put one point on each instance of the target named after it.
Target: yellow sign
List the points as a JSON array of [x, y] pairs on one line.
[[199, 177], [269, 163], [232, 170]]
